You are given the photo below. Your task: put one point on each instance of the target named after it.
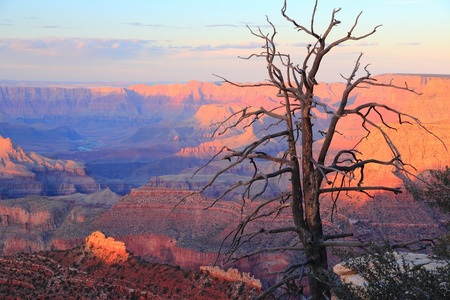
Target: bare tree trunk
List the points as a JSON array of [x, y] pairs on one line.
[[295, 85], [314, 249], [317, 287]]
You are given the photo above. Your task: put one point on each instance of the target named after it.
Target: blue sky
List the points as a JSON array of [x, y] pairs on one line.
[[176, 40]]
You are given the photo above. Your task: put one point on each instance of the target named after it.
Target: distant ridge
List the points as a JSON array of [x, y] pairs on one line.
[[125, 84], [74, 84], [418, 74]]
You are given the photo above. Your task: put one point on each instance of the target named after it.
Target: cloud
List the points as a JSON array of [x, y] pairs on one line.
[[410, 44], [143, 25], [81, 47], [6, 22], [252, 45], [239, 25], [49, 26], [179, 47], [366, 44], [302, 45], [225, 25]]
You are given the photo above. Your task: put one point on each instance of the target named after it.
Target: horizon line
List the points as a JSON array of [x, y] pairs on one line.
[[125, 84]]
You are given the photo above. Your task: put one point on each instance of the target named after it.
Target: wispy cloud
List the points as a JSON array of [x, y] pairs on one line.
[[301, 45], [49, 27], [80, 47], [365, 44], [410, 44], [225, 25], [305, 45], [143, 25], [179, 47], [6, 22], [252, 45]]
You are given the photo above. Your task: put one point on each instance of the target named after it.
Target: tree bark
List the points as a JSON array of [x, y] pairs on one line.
[[314, 249]]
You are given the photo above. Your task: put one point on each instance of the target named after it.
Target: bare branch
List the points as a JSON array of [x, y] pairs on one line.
[[358, 110], [333, 23], [277, 285], [360, 189], [295, 84], [361, 164], [320, 168], [405, 88], [298, 26]]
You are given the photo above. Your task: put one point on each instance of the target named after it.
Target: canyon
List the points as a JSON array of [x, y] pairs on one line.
[[23, 174], [120, 161]]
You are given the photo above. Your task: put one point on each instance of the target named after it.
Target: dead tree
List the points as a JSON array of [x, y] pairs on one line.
[[309, 172]]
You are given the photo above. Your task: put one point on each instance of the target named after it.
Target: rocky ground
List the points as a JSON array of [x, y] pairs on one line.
[[81, 273]]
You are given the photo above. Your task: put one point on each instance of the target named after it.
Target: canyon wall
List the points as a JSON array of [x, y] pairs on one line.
[[154, 225], [128, 135], [23, 174]]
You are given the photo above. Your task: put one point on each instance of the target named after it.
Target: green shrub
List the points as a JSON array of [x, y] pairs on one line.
[[386, 279]]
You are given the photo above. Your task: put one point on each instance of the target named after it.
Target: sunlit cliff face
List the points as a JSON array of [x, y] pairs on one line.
[[107, 249]]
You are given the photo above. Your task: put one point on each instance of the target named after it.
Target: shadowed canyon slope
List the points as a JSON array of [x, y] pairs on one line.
[[152, 226]]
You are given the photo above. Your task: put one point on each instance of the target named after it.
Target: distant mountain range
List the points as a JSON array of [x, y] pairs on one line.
[[125, 136]]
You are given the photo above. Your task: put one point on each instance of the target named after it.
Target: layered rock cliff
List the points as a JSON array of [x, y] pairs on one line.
[[24, 174], [37, 223], [128, 135], [154, 225]]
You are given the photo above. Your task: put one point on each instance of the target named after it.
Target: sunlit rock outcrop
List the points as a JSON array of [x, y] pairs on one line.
[[107, 249], [232, 275]]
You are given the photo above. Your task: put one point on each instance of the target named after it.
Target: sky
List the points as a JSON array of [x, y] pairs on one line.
[[156, 41]]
